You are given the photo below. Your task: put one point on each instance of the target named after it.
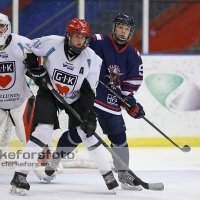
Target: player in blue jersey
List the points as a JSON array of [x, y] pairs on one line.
[[122, 70]]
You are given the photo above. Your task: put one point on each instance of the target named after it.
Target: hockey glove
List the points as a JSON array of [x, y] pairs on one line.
[[40, 76], [135, 110], [31, 61], [90, 123]]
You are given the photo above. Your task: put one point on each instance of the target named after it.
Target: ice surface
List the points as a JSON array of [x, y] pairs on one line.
[[178, 171]]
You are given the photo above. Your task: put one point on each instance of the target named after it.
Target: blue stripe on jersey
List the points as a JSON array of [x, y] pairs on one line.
[[21, 46], [50, 51]]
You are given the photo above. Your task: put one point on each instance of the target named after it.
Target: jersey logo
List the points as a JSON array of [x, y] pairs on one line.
[[68, 66], [68, 81], [81, 70], [5, 55], [7, 75], [112, 100], [114, 76], [36, 44], [62, 89]]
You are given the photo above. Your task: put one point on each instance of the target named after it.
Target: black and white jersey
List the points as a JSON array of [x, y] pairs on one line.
[[13, 87], [66, 76]]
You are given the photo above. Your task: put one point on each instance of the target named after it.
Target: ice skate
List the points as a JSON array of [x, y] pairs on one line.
[[52, 166], [19, 184], [110, 181], [40, 173], [128, 182]]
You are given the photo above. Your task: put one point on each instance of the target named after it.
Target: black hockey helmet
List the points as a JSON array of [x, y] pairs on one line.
[[124, 20]]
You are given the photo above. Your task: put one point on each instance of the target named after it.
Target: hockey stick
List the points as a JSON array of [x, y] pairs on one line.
[[148, 186], [186, 148]]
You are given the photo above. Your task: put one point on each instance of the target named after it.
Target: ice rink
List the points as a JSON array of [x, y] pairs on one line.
[[178, 171]]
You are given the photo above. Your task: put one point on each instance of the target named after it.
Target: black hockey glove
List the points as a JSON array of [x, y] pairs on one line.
[[39, 76], [31, 61], [90, 123]]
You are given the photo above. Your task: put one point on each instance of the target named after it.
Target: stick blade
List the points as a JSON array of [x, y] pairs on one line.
[[186, 148], [156, 186]]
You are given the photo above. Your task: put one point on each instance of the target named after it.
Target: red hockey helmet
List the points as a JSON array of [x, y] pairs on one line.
[[78, 26]]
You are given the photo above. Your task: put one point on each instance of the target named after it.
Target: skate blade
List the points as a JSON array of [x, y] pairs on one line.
[[126, 186], [17, 191], [114, 190], [49, 178]]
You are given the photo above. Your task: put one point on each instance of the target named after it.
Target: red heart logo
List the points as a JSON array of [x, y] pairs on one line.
[[62, 89], [5, 80]]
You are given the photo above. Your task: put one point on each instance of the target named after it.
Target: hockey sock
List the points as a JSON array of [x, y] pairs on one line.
[[96, 152], [120, 147], [68, 142], [42, 135], [28, 158]]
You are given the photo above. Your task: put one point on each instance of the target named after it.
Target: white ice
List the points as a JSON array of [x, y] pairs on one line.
[[178, 171]]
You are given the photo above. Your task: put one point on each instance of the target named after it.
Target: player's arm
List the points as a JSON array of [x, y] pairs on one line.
[[32, 52], [130, 86], [87, 97]]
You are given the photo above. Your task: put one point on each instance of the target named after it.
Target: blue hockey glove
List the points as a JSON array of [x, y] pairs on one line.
[[135, 110]]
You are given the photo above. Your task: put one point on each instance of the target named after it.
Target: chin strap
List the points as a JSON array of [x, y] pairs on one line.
[[2, 47]]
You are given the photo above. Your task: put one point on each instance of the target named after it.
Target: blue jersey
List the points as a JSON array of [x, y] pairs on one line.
[[122, 70]]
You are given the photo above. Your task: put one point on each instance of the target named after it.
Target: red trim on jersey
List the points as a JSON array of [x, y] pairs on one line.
[[102, 37], [94, 36], [107, 106], [115, 45]]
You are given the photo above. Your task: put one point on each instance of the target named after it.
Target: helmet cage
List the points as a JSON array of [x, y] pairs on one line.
[[6, 29], [76, 49], [123, 20]]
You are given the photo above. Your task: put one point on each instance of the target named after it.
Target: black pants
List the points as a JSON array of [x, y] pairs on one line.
[[47, 108]]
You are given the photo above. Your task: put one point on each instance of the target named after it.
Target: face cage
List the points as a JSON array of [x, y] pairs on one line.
[[5, 27], [5, 34], [76, 49], [120, 40]]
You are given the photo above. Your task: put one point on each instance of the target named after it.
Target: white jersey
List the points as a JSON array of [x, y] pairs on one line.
[[13, 87], [66, 76]]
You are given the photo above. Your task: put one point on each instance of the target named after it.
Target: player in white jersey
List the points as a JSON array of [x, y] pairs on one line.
[[16, 99], [73, 70]]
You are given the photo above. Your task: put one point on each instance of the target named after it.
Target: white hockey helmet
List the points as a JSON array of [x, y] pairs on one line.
[[6, 30]]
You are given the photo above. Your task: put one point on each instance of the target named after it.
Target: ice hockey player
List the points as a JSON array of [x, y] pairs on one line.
[[73, 70], [122, 71], [16, 98]]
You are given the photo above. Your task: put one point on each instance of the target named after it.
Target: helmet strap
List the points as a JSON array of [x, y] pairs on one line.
[[2, 47]]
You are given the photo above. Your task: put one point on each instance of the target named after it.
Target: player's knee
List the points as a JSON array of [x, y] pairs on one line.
[[43, 133], [118, 139], [74, 136], [88, 142], [69, 139]]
